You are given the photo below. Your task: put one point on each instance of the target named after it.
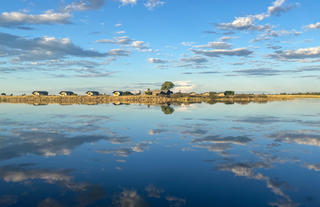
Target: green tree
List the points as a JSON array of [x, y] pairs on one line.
[[167, 85], [148, 92]]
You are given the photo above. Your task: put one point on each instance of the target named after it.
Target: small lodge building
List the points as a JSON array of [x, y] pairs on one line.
[[92, 93], [66, 93], [40, 93], [117, 93]]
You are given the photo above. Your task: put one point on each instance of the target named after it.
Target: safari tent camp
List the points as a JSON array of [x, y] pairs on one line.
[[92, 93], [117, 93], [40, 93], [66, 93]]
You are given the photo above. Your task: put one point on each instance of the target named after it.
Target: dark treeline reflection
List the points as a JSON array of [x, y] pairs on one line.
[[161, 155], [167, 109]]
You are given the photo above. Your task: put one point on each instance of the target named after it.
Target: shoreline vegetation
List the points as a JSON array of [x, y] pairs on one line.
[[175, 99], [163, 97]]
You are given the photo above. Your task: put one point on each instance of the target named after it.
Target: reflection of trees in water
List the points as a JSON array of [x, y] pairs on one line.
[[228, 102], [211, 101], [167, 109]]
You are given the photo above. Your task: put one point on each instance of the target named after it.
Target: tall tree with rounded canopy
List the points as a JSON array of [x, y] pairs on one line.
[[167, 85]]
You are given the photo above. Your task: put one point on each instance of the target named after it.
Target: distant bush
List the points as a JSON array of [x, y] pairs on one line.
[[261, 96], [212, 94], [307, 93], [179, 95], [243, 96], [229, 93], [127, 93], [301, 93]]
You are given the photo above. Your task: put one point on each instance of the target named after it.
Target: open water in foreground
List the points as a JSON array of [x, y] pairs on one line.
[[198, 155]]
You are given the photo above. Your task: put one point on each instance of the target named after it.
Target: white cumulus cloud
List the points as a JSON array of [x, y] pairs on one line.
[[314, 26], [15, 19], [248, 22], [151, 4], [126, 2], [84, 5]]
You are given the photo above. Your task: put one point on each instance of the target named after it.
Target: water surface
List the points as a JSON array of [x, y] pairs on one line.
[[224, 155]]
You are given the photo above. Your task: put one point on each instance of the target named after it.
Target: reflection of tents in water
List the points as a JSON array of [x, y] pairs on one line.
[[40, 104], [211, 102], [118, 103], [229, 102], [167, 109]]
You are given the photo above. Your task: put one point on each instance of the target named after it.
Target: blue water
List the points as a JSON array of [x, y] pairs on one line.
[[222, 155]]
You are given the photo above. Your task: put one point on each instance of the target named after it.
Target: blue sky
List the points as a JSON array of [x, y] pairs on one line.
[[201, 45]]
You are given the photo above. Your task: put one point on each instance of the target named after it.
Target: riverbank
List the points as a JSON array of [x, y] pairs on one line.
[[145, 99]]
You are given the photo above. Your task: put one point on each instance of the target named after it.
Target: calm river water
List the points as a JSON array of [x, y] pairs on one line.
[[201, 155]]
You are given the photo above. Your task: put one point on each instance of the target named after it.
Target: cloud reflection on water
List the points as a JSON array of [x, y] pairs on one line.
[[256, 147], [47, 143], [302, 137]]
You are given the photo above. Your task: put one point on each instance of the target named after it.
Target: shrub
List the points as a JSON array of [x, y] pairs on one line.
[[179, 95], [229, 93], [127, 93]]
